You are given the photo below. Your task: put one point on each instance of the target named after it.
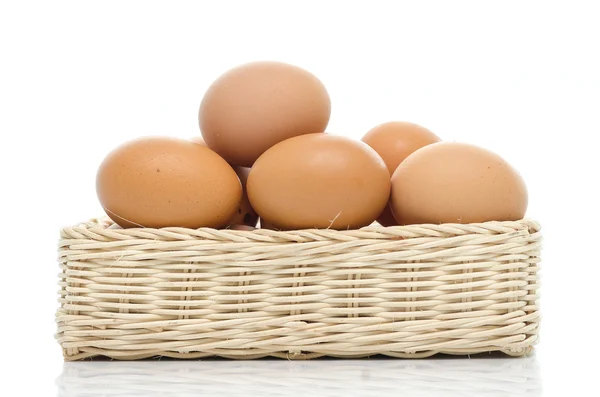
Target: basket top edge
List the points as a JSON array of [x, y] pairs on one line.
[[101, 226]]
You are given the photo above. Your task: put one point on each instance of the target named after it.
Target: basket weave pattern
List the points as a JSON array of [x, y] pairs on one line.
[[405, 291]]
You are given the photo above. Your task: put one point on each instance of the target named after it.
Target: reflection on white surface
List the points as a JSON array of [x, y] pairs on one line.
[[366, 377]]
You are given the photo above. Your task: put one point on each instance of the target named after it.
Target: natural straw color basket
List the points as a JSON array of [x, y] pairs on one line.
[[405, 291]]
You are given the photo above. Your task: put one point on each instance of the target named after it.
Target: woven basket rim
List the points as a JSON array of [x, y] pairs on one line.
[[102, 224]]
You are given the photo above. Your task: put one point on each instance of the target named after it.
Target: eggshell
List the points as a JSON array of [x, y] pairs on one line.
[[394, 141], [256, 105], [241, 227], [450, 182], [159, 182], [319, 181], [386, 218], [266, 225], [245, 214]]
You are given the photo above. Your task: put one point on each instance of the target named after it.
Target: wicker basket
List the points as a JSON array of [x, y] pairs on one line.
[[405, 291]]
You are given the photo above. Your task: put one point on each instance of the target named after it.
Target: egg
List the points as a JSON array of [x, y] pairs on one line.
[[242, 227], [394, 141], [252, 107], [266, 225], [319, 181], [158, 182], [452, 182], [245, 214]]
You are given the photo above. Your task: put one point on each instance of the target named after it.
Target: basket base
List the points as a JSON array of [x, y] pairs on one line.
[[91, 353]]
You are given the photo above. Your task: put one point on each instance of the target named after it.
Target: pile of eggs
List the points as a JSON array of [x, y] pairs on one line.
[[264, 154]]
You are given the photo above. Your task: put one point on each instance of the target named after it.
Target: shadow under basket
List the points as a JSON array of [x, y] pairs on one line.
[[403, 291]]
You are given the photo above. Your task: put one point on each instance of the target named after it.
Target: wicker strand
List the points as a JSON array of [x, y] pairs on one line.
[[405, 291]]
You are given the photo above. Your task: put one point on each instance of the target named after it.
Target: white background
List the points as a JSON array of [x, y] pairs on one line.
[[519, 77]]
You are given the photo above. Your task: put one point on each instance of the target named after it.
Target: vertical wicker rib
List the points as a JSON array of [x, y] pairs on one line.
[[406, 291]]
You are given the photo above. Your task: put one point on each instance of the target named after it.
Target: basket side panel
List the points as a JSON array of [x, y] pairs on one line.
[[411, 294]]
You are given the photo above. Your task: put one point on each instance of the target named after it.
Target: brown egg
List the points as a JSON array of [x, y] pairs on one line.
[[450, 182], [386, 218], [245, 214], [256, 105], [159, 182], [266, 225], [319, 181], [394, 141], [241, 227]]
